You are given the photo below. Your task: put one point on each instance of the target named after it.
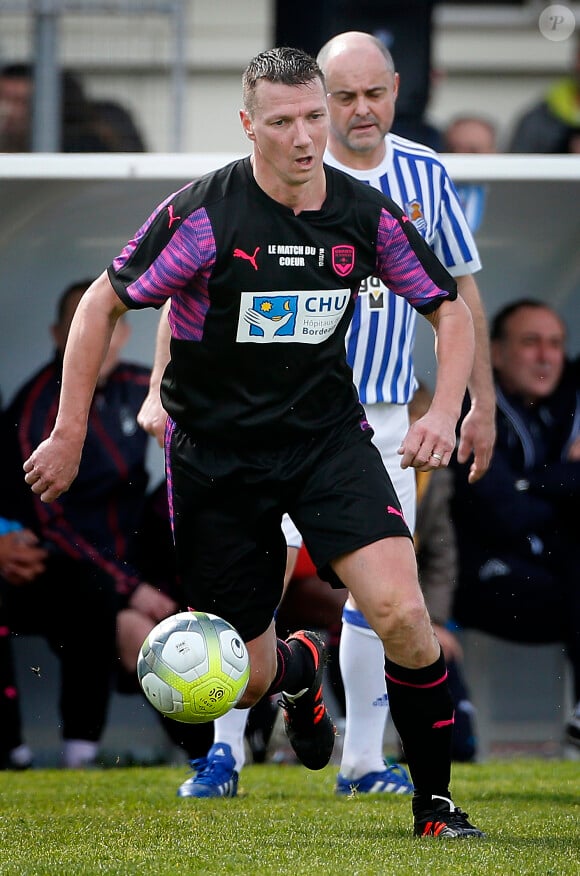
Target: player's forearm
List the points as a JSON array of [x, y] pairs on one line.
[[480, 381], [162, 349], [454, 347], [86, 348]]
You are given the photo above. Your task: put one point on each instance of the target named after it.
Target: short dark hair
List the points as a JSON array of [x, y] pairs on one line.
[[72, 289], [497, 329], [16, 71], [285, 65]]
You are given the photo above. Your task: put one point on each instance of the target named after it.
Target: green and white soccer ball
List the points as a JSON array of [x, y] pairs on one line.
[[193, 667]]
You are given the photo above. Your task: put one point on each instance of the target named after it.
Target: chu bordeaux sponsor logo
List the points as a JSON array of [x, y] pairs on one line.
[[301, 316]]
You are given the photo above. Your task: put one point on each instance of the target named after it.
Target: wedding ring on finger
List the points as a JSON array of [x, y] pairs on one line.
[[437, 456]]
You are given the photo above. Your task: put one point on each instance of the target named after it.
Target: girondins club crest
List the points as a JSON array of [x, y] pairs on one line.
[[343, 259]]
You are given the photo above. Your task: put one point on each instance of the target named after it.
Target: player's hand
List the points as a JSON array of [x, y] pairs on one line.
[[152, 416], [53, 466], [477, 437], [152, 602], [429, 442], [22, 558]]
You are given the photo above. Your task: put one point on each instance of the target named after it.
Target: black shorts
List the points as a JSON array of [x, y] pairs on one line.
[[227, 507]]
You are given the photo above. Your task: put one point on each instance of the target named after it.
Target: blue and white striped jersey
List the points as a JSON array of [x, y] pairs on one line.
[[380, 339]]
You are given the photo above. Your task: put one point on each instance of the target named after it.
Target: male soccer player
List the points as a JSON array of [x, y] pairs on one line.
[[262, 260], [363, 86]]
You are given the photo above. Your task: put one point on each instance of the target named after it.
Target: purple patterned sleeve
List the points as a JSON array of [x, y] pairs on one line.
[[410, 269], [178, 268], [128, 250]]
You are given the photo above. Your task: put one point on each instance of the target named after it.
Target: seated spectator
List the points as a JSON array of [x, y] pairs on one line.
[[470, 135], [546, 126], [571, 143], [86, 126], [473, 135], [116, 127], [517, 526], [89, 534]]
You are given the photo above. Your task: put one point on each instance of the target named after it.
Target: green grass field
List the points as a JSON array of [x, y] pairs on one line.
[[285, 820]]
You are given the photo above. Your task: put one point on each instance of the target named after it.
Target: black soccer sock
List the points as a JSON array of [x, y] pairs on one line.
[[422, 712], [294, 669]]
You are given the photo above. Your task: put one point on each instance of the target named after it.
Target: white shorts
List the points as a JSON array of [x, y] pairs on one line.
[[291, 534]]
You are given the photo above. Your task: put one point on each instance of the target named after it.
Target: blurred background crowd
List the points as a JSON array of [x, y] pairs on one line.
[[164, 75]]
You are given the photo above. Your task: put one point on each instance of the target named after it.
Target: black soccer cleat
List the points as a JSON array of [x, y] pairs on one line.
[[309, 727], [441, 818]]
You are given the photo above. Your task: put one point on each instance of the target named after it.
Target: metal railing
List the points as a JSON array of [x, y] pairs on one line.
[[46, 19]]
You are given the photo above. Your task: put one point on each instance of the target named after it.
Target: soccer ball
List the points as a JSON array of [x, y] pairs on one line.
[[193, 667]]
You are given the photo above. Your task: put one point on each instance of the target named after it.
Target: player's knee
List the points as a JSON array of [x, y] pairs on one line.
[[258, 685], [401, 618], [414, 614]]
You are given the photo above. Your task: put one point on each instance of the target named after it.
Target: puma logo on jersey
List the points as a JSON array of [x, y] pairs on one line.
[[172, 218], [240, 254]]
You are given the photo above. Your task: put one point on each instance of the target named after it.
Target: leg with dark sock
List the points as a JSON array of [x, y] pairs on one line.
[[299, 673], [295, 667], [422, 712]]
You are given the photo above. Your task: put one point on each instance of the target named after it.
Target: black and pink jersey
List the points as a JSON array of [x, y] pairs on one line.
[[261, 300]]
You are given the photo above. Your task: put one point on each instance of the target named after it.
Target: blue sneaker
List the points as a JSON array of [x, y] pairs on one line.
[[392, 780], [213, 775]]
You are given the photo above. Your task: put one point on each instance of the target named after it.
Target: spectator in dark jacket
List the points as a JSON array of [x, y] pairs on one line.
[[548, 125], [517, 527], [85, 125], [89, 534]]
